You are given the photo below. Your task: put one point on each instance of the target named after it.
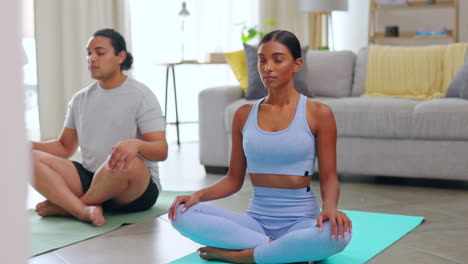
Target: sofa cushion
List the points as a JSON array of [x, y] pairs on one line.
[[330, 73], [373, 117], [459, 85], [443, 119], [255, 87], [360, 69]]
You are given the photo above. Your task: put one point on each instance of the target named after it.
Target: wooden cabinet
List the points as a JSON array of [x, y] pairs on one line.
[[418, 22]]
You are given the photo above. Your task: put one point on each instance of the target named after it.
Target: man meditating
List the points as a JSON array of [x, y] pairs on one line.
[[118, 124]]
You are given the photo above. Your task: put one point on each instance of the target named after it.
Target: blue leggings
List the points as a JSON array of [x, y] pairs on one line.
[[296, 237]]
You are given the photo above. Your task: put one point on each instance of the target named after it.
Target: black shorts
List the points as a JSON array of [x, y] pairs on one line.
[[144, 202]]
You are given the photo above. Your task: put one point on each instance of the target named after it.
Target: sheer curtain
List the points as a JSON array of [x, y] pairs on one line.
[[287, 16], [212, 26]]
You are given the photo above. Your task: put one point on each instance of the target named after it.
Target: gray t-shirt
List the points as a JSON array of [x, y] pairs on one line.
[[103, 117]]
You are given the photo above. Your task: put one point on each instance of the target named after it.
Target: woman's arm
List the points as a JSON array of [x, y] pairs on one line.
[[326, 135], [233, 180], [326, 152], [65, 146]]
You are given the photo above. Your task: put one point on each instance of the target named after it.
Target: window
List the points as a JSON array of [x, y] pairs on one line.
[[30, 72], [157, 38]]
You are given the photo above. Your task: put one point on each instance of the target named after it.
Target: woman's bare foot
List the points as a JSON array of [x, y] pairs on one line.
[[47, 208], [93, 214], [234, 256]]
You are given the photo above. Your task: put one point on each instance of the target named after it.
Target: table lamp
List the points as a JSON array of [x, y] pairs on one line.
[[322, 19], [183, 14]]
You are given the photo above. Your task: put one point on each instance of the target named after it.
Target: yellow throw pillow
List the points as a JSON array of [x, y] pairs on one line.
[[405, 72], [420, 73], [238, 65]]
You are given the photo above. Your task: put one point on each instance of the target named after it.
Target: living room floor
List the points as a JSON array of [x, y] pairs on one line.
[[442, 238]]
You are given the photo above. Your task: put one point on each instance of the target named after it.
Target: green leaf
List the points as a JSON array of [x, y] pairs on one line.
[[248, 33], [252, 32]]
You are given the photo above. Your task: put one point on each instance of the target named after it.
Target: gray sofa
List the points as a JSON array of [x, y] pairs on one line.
[[376, 136]]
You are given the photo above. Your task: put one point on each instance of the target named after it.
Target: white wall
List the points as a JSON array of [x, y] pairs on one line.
[[13, 155], [351, 27]]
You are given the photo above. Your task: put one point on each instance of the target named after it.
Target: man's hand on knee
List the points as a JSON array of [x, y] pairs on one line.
[[122, 154]]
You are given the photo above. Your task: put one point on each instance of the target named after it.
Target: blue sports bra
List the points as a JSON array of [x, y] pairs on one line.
[[291, 151]]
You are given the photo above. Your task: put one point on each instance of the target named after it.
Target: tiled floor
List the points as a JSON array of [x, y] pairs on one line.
[[442, 238]]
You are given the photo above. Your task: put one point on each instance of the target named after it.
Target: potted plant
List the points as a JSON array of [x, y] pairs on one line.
[[249, 33]]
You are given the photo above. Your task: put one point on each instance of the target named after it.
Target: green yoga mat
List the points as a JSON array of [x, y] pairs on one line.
[[372, 233], [52, 232]]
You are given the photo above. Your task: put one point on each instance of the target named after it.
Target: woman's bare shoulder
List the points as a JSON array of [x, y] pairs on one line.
[[245, 108], [241, 115], [243, 111], [319, 109]]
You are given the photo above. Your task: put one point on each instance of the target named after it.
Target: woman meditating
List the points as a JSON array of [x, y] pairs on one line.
[[277, 141]]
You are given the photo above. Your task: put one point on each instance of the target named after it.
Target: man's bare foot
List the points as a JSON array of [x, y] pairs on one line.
[[234, 256], [47, 208], [93, 214]]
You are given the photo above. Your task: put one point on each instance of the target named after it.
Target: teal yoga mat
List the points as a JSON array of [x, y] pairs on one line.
[[372, 233], [52, 232]]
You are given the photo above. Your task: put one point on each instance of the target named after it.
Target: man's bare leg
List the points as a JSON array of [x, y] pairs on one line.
[[57, 180], [121, 187], [47, 208]]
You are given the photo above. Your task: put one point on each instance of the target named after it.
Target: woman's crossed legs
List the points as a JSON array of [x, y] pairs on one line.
[[240, 238]]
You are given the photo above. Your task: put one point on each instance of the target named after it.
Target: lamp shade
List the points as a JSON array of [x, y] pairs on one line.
[[322, 5], [184, 11]]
